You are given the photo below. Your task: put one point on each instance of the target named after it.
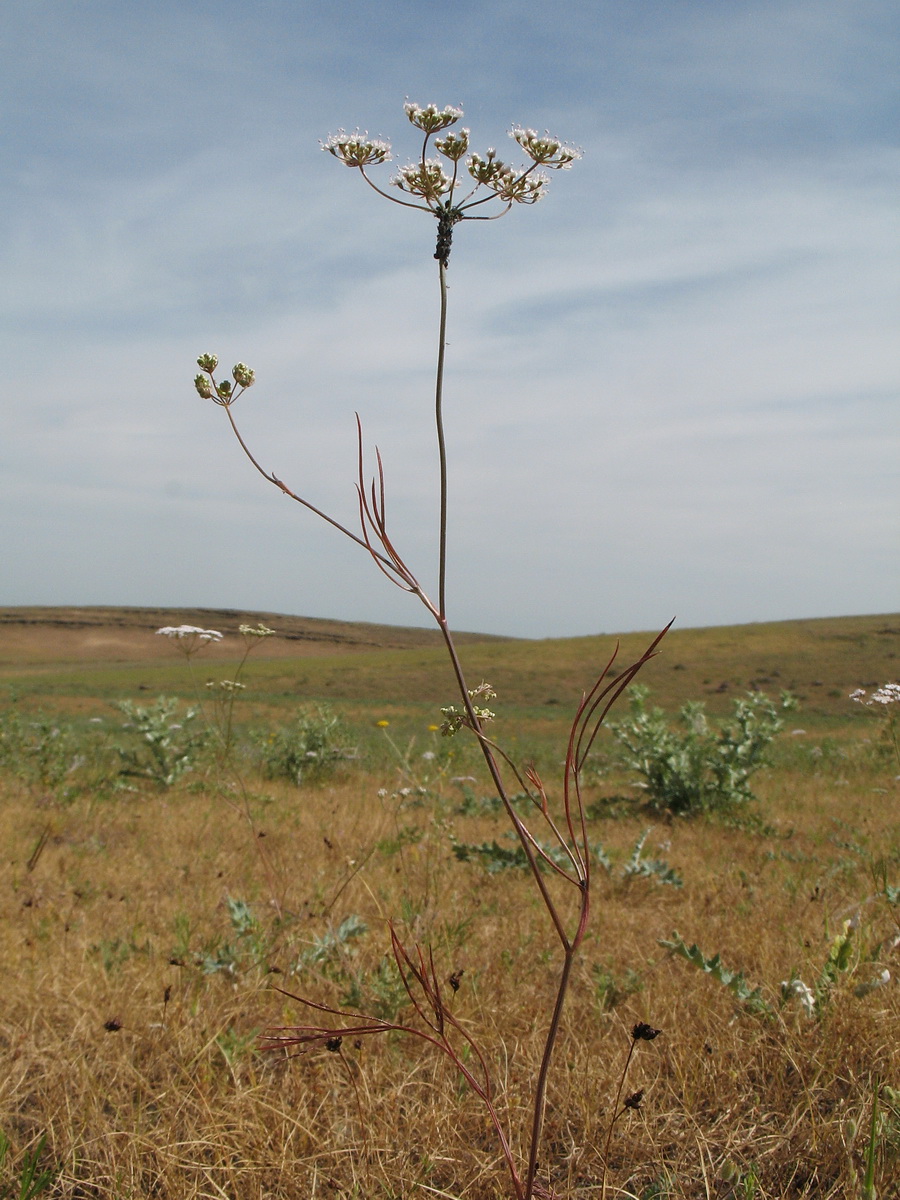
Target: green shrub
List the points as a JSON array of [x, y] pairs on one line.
[[168, 745], [305, 752], [698, 767], [41, 751]]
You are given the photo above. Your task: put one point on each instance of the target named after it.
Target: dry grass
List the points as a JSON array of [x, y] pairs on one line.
[[143, 1070], [177, 1101]]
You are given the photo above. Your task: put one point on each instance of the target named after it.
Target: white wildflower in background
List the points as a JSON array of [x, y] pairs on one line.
[[256, 631], [885, 697], [804, 993], [888, 693], [190, 638], [190, 631]]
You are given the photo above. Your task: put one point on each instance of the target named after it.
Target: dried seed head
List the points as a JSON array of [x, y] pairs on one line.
[[642, 1032], [634, 1100], [333, 1044]]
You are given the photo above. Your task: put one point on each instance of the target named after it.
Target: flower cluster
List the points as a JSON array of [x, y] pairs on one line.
[[519, 189], [357, 149], [256, 631], [454, 145], [427, 179], [190, 638], [545, 150], [223, 393], [888, 693], [431, 119], [454, 718], [181, 632]]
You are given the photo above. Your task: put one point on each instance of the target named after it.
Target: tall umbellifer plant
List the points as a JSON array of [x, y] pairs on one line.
[[453, 184]]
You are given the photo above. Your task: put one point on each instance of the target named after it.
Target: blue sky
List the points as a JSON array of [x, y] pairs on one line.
[[672, 386]]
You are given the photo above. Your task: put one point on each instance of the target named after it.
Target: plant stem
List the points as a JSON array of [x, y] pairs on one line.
[[540, 1090], [442, 448]]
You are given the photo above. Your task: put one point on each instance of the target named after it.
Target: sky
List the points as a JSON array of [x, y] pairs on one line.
[[672, 386]]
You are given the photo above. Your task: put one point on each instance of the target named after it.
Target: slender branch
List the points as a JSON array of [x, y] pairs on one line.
[[273, 478]]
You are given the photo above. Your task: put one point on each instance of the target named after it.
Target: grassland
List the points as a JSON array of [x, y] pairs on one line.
[[144, 927]]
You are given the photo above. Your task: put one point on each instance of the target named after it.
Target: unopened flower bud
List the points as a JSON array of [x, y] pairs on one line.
[[243, 375], [204, 386], [224, 389], [207, 362]]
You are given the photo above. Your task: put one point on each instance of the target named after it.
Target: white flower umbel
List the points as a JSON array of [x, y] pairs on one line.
[[188, 631], [431, 119], [888, 693], [357, 149], [190, 638], [544, 149], [427, 179]]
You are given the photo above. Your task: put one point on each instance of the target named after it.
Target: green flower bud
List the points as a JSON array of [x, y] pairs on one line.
[[223, 389], [243, 375], [207, 362], [204, 386]]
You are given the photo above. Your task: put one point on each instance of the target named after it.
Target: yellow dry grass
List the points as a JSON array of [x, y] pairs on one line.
[[144, 1071], [133, 995]]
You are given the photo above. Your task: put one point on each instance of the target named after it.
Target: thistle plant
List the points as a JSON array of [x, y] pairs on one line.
[[453, 184]]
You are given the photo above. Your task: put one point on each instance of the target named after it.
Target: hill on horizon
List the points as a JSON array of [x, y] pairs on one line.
[[820, 660]]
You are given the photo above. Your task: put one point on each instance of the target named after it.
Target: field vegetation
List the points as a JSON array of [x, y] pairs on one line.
[[156, 895]]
